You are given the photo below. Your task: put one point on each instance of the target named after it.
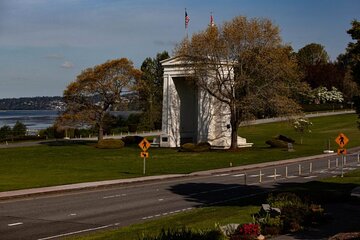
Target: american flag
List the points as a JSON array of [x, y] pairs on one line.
[[187, 19]]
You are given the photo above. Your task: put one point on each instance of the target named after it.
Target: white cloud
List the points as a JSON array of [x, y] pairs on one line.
[[67, 64]]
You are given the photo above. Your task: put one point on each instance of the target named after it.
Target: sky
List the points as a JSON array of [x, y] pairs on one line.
[[45, 44]]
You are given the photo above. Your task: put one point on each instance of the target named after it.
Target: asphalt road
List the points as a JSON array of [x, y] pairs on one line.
[[57, 216]]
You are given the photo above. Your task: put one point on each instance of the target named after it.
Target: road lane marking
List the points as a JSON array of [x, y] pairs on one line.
[[292, 176], [272, 176], [15, 224], [161, 199], [167, 213], [308, 177], [114, 196], [72, 214], [81, 231], [239, 175], [256, 175], [222, 175]]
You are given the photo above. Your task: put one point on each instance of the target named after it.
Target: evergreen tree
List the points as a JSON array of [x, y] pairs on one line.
[[19, 129]]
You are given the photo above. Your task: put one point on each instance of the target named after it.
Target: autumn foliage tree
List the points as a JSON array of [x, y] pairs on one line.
[[95, 91], [244, 64]]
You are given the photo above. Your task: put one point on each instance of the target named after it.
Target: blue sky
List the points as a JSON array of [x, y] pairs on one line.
[[45, 44]]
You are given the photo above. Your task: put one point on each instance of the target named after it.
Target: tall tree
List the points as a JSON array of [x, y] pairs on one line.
[[95, 91], [351, 58], [312, 54], [244, 65], [351, 61], [19, 129], [150, 89]]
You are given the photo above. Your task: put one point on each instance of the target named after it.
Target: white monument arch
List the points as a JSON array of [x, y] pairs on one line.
[[190, 114]]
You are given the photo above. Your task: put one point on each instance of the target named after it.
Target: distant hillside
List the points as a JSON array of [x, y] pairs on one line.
[[130, 103], [32, 103]]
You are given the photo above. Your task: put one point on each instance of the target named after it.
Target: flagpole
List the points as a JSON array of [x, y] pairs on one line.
[[186, 24]]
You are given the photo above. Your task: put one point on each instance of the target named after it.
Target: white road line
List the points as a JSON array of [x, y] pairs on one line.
[[222, 175], [167, 213], [239, 175], [256, 175], [72, 214], [272, 176], [160, 199], [292, 176], [81, 231], [15, 224], [308, 177], [115, 196]]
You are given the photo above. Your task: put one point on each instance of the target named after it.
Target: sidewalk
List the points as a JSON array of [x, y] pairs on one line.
[[98, 184]]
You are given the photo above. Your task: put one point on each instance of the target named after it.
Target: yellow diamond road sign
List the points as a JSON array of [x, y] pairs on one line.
[[342, 151], [341, 140], [144, 144], [144, 154]]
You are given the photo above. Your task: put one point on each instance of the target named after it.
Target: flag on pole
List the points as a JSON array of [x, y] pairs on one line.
[[187, 19], [211, 20]]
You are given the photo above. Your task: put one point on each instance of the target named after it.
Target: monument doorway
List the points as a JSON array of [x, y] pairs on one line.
[[189, 104]]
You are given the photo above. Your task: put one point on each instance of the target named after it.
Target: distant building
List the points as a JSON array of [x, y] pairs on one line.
[[190, 114]]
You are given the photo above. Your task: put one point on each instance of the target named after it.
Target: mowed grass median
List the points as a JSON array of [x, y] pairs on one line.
[[46, 165]]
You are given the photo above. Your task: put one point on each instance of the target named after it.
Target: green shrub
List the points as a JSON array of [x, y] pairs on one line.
[[110, 144], [132, 140], [186, 234], [191, 147], [270, 226], [187, 147], [276, 143], [202, 147], [293, 210], [285, 139]]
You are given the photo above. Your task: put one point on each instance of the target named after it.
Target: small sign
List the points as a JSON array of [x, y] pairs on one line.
[[144, 144], [144, 154], [341, 140], [342, 151]]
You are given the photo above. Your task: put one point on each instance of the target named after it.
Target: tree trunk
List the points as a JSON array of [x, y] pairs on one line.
[[234, 128], [101, 133], [234, 136]]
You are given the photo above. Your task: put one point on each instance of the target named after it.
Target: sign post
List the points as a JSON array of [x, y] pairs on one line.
[[342, 140], [144, 145]]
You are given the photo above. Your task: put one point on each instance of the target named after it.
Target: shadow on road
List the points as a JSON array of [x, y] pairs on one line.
[[342, 209]]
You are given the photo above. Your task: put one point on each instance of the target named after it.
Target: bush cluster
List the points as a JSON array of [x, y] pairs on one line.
[[188, 234], [295, 214], [247, 231], [191, 147], [110, 144], [132, 140], [280, 141]]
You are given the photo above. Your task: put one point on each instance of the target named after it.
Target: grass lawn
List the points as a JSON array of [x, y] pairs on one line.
[[205, 218], [335, 189], [54, 165]]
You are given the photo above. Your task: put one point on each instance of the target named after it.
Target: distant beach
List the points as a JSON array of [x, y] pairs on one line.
[[33, 119], [38, 119]]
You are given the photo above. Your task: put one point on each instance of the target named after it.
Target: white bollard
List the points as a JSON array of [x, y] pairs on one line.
[[260, 176], [299, 169], [286, 171], [275, 174], [329, 164], [310, 168]]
